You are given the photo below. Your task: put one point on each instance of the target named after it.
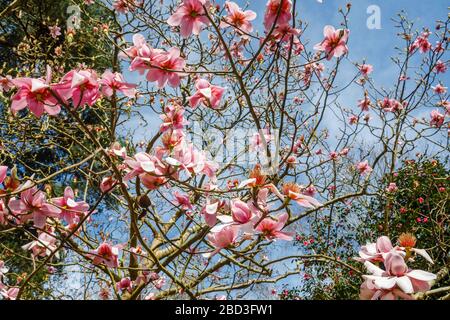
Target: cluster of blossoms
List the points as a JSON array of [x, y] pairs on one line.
[[83, 87], [33, 206], [396, 280]]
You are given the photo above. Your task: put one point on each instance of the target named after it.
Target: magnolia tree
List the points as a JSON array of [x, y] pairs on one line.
[[238, 159]]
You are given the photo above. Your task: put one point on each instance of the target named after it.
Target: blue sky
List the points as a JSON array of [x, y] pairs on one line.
[[376, 46]]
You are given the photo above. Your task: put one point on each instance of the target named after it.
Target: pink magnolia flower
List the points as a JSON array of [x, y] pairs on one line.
[[193, 161], [10, 294], [44, 246], [363, 167], [391, 105], [271, 228], [82, 86], [117, 150], [70, 209], [365, 69], [396, 276], [437, 118], [439, 89], [374, 251], [190, 17], [209, 212], [222, 239], [140, 163], [114, 82], [106, 254], [55, 31], [173, 118], [165, 67], [421, 43], [271, 15], [125, 284], [364, 104], [294, 192], [440, 67], [285, 32], [123, 6], [257, 140], [183, 201], [140, 48], [107, 184], [353, 119], [33, 204], [335, 42], [36, 94], [208, 94], [6, 83], [242, 215], [238, 18]]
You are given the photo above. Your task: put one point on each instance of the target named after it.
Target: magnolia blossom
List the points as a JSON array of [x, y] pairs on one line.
[[271, 228], [441, 67], [36, 94], [164, 68], [10, 294], [33, 204], [365, 69], [106, 254], [44, 246], [397, 279], [173, 118], [183, 201], [437, 118], [82, 86], [421, 43], [70, 209], [125, 284], [335, 42], [375, 252], [242, 215], [222, 239], [6, 83], [209, 212], [208, 94], [190, 16], [439, 89], [107, 184], [279, 11], [363, 167], [391, 105], [114, 82], [238, 18], [364, 104], [294, 192]]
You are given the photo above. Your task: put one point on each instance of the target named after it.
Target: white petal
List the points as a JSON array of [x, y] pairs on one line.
[[405, 284], [385, 282], [421, 275], [148, 166], [373, 269], [423, 253]]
